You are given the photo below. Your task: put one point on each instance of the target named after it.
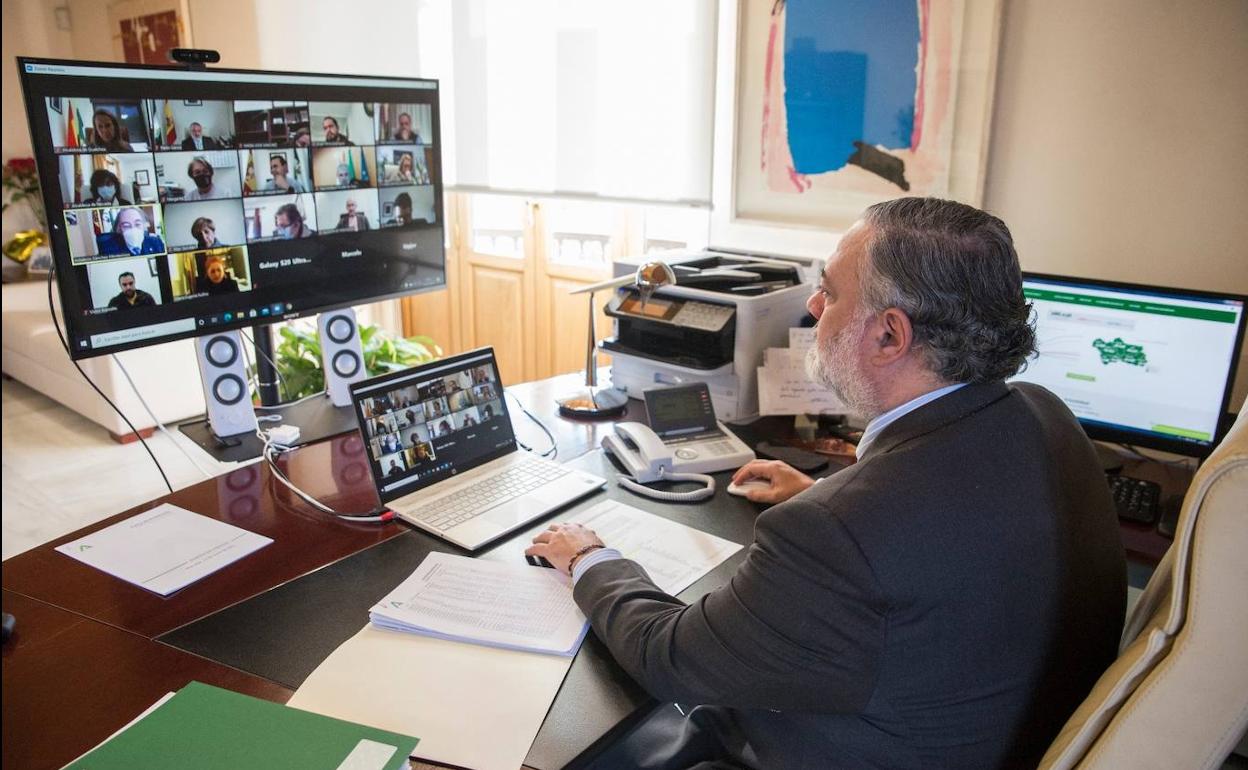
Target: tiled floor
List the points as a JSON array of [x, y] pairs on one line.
[[61, 471]]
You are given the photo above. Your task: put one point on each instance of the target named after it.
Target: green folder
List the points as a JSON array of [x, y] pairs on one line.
[[206, 727]]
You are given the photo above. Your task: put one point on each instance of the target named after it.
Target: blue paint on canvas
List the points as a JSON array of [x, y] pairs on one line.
[[850, 72]]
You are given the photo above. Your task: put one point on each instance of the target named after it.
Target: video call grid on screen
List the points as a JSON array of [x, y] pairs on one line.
[[421, 428], [151, 162]]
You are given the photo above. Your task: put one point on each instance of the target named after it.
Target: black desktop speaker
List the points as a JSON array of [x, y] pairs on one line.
[[342, 357], [224, 375]]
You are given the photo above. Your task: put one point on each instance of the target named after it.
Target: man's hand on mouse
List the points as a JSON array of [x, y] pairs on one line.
[[562, 543], [784, 480]]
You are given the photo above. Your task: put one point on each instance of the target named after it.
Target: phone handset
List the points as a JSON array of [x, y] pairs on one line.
[[644, 455]]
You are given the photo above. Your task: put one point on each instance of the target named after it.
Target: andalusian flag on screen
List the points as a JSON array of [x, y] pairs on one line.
[[78, 179], [82, 130], [249, 182], [351, 165], [171, 133], [71, 130]]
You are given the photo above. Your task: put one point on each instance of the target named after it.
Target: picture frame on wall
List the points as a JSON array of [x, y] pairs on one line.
[[142, 177], [54, 102], [805, 141]]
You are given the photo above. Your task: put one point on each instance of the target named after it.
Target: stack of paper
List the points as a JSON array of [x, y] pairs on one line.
[[164, 549], [206, 727], [785, 388], [485, 602], [416, 682]]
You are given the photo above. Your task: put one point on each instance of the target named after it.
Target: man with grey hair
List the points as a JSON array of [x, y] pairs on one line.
[[948, 600]]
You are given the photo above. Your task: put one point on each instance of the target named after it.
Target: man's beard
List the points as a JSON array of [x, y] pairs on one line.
[[836, 369]]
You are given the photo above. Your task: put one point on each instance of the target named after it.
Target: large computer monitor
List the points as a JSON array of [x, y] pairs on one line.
[[1140, 365], [182, 202]]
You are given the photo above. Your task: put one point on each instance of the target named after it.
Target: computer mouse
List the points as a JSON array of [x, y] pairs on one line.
[[741, 489], [538, 561]]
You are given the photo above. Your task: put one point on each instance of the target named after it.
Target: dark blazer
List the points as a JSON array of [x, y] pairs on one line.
[[209, 143], [361, 221], [946, 602], [114, 245]]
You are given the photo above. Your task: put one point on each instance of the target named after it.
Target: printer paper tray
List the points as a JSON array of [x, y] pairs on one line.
[[615, 349]]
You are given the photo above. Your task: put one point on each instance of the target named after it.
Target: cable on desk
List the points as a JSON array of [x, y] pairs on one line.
[[160, 425], [553, 451], [65, 344], [276, 370], [270, 452]]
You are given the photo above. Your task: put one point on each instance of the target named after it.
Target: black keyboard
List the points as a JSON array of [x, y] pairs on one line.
[[1135, 499]]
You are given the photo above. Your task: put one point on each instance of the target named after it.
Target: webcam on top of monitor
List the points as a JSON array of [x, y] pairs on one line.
[[194, 57]]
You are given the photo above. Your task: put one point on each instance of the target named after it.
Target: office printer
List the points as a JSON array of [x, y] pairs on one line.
[[711, 327]]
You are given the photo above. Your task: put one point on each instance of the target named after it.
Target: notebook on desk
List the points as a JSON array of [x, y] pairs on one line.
[[444, 457]]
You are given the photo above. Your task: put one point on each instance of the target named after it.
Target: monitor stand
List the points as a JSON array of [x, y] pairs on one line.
[[316, 417], [1110, 459]]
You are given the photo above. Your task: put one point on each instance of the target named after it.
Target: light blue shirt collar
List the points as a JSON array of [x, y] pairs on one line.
[[876, 426]]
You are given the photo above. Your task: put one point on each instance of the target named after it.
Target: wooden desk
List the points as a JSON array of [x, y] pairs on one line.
[[70, 682], [87, 659]]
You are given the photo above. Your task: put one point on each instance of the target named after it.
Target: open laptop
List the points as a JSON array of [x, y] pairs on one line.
[[444, 457]]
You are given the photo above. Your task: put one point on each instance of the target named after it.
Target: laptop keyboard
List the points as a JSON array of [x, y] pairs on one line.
[[458, 507]]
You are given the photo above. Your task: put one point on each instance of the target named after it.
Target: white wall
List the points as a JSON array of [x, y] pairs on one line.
[[1120, 141]]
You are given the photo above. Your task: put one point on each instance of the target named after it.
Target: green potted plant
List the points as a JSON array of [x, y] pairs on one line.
[[298, 356]]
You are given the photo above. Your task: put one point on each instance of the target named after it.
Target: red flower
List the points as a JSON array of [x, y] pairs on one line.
[[20, 165]]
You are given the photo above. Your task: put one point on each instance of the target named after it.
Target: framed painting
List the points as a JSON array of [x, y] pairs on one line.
[[839, 104]]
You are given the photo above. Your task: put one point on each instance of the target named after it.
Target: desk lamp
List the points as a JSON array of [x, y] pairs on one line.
[[596, 403]]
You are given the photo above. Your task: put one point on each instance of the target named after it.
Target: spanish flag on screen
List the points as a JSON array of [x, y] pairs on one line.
[[171, 134], [249, 182], [71, 131]]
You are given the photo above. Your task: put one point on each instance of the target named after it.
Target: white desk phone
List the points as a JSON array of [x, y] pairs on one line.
[[683, 442]]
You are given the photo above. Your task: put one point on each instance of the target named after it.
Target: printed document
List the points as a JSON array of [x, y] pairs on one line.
[[674, 555], [785, 388], [164, 549], [485, 602]]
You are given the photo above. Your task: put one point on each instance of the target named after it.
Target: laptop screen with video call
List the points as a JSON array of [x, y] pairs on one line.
[[431, 422]]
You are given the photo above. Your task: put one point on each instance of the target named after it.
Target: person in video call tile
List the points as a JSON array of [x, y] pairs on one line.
[[131, 235], [195, 139], [352, 219], [469, 420], [423, 453], [302, 138], [289, 223], [403, 209], [201, 172], [106, 132], [130, 296], [282, 181], [215, 280], [332, 134], [487, 412], [394, 468], [106, 189], [405, 132], [444, 428], [405, 172], [205, 233]]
